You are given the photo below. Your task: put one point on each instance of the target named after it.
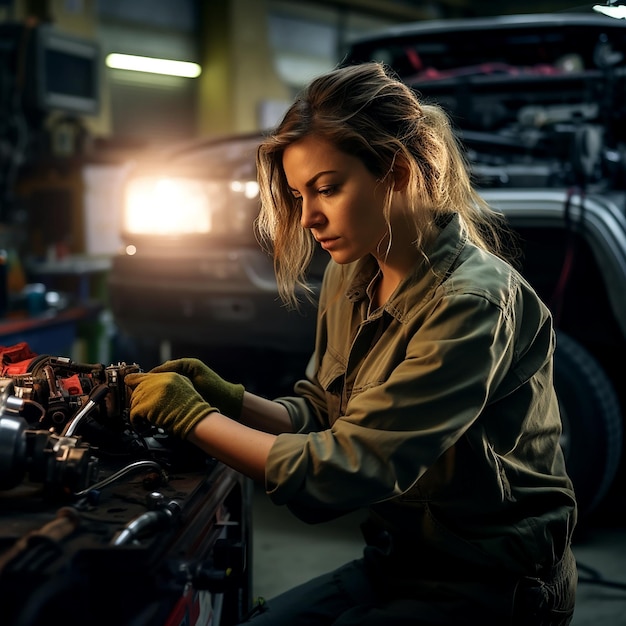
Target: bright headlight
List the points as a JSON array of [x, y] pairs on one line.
[[182, 206], [166, 206]]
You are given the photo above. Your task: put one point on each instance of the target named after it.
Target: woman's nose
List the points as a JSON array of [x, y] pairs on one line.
[[311, 216]]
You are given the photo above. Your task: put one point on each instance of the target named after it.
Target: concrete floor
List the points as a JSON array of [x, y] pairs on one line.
[[287, 552]]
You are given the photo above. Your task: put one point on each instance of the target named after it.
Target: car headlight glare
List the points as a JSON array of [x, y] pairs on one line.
[[166, 206], [183, 206]]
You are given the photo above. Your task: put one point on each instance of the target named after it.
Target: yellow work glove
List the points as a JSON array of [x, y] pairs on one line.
[[227, 397], [167, 400]]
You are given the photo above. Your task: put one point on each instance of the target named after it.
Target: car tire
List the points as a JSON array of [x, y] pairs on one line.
[[592, 422]]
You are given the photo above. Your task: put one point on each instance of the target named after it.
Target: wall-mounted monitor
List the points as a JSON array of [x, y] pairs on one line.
[[50, 70], [66, 72]]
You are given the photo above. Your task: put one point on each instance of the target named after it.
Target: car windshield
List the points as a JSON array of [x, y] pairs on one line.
[[232, 159]]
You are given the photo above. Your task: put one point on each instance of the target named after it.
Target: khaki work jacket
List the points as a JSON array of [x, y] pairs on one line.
[[437, 412]]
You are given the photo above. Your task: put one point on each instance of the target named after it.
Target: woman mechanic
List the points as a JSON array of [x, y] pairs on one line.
[[429, 400]]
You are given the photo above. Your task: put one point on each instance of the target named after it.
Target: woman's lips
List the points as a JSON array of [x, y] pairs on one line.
[[329, 243]]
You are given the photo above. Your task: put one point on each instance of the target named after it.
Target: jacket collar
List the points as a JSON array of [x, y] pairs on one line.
[[425, 277]]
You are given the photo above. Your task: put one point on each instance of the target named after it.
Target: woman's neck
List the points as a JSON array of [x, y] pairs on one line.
[[393, 269]]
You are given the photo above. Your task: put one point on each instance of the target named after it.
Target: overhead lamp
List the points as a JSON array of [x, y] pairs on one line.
[[613, 8], [168, 67]]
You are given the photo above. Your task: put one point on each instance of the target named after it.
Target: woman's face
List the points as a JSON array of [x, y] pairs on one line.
[[341, 200]]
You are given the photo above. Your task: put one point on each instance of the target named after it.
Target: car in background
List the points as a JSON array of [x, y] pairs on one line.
[[538, 102], [193, 280]]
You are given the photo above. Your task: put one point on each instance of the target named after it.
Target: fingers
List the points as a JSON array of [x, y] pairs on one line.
[[186, 366], [175, 365], [132, 380]]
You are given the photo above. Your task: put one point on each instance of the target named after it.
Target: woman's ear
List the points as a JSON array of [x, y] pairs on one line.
[[401, 174]]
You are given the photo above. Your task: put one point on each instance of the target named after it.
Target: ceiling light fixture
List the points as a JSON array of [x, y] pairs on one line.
[[613, 8], [135, 63]]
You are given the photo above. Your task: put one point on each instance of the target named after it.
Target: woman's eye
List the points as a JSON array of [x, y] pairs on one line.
[[326, 191]]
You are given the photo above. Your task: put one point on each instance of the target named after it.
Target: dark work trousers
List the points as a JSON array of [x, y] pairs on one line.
[[366, 593]]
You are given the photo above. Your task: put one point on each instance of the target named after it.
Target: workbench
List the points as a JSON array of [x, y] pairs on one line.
[[50, 332]]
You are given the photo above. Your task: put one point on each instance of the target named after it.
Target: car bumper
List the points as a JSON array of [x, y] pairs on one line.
[[213, 300]]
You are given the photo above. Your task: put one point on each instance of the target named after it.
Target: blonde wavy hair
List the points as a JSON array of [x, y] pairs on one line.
[[367, 112]]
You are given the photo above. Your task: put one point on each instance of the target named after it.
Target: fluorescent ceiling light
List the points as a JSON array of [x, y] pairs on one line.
[[617, 10], [135, 63]]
